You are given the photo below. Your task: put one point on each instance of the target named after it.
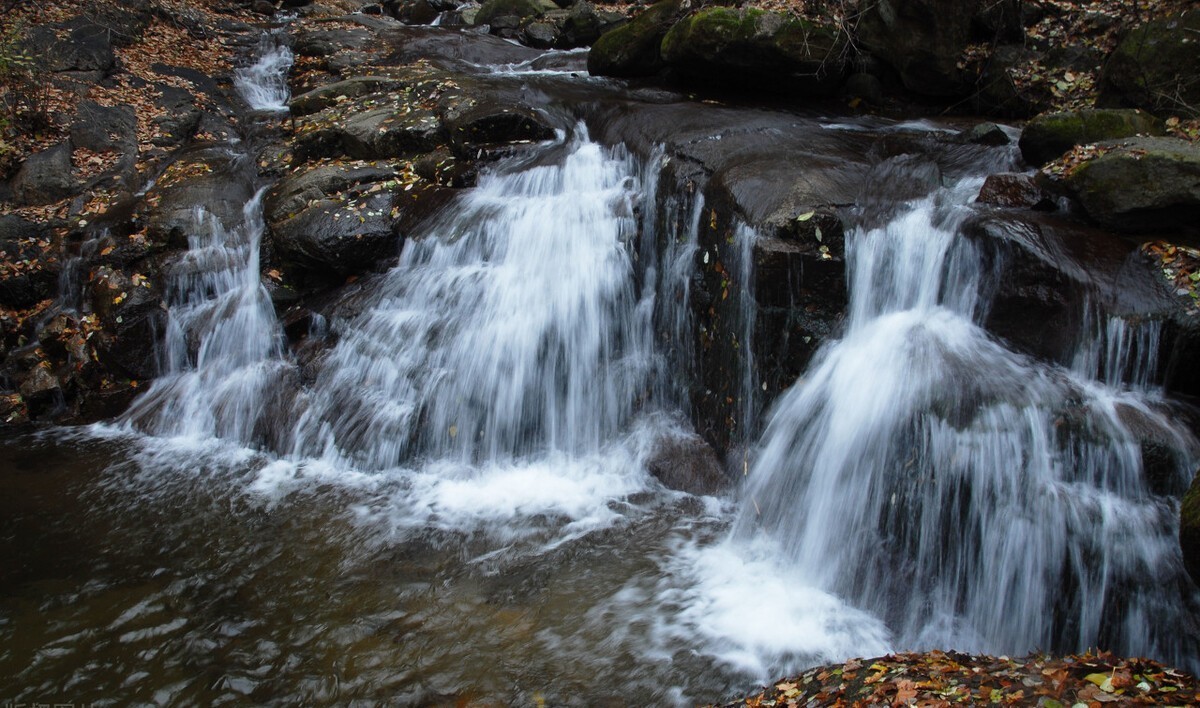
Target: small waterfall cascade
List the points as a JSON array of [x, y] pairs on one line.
[[222, 356], [1120, 351], [968, 496], [223, 349], [512, 327], [263, 84]]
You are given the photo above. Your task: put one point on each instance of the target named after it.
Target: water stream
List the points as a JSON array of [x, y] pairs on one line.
[[455, 503]]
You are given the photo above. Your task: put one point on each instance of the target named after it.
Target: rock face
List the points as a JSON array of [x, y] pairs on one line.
[[335, 219], [923, 40], [767, 50], [46, 176], [1155, 66], [1051, 134], [1142, 184]]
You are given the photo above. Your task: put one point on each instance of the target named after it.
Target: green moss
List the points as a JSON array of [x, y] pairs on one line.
[[633, 49]]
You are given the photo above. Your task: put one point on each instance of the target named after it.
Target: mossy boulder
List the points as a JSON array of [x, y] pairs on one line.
[[1189, 530], [1156, 66], [767, 50], [1051, 134], [634, 49], [1142, 184], [517, 10]]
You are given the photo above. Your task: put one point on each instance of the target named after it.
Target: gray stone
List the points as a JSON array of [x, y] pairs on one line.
[[46, 177]]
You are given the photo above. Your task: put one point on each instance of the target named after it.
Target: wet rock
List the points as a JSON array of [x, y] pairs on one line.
[[293, 193], [1014, 190], [1189, 530], [768, 50], [923, 40], [197, 194], [987, 134], [1051, 134], [584, 25], [328, 95], [180, 120], [12, 409], [687, 464], [46, 177], [133, 319], [487, 125], [331, 237], [1142, 184], [370, 134], [634, 49], [1042, 270], [27, 285], [542, 35], [41, 390], [324, 43], [1155, 66]]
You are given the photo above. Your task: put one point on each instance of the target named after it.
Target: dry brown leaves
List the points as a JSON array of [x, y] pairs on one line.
[[948, 678]]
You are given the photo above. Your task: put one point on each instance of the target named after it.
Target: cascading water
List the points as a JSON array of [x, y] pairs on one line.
[[222, 351], [968, 496], [511, 328], [263, 84]]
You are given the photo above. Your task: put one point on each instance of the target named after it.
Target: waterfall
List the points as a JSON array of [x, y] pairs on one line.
[[222, 357], [511, 328], [263, 84], [222, 353], [969, 496]]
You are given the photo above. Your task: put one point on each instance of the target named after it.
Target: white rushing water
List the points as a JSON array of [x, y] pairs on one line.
[[263, 84], [512, 328], [968, 496], [222, 352]]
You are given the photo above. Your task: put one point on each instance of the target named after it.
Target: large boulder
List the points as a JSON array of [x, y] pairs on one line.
[[634, 49], [45, 177], [923, 40], [720, 46], [1051, 134], [1155, 66], [510, 14], [1142, 184]]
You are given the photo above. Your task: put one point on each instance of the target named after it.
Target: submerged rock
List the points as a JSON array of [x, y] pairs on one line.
[[687, 464]]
